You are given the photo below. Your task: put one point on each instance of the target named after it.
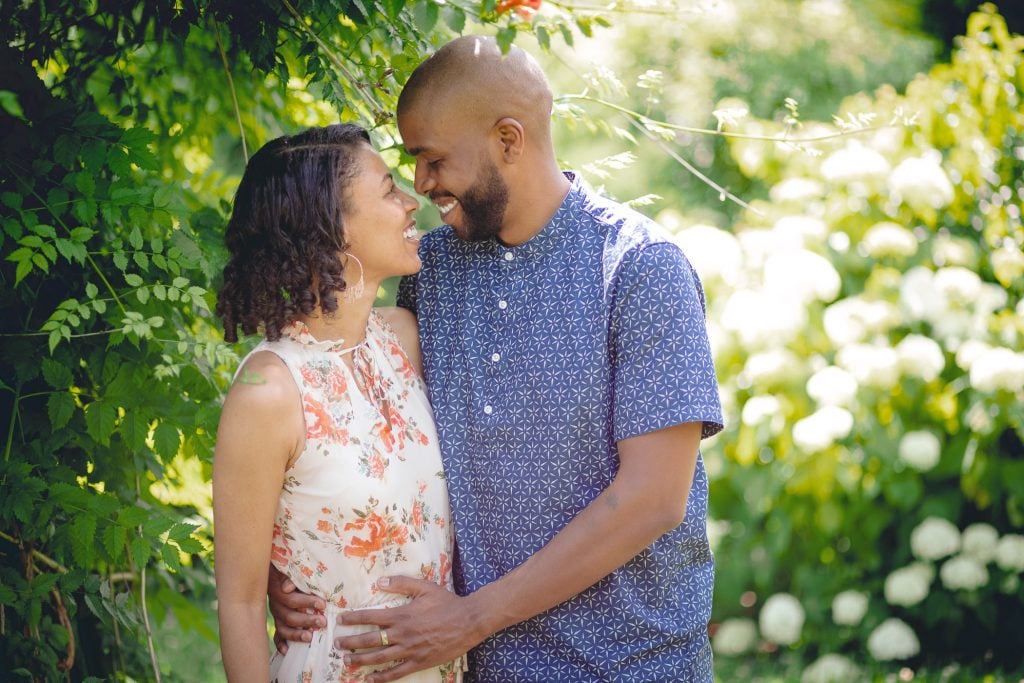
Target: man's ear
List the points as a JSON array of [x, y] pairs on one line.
[[511, 137]]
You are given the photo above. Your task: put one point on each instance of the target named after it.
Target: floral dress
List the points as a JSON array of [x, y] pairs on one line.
[[366, 498]]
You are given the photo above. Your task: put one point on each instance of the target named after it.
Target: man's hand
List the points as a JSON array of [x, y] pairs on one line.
[[436, 627], [296, 615]]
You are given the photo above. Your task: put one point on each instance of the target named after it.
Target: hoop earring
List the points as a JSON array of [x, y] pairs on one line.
[[354, 292]]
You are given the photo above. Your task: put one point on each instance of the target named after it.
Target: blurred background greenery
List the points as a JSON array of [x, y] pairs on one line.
[[864, 297]]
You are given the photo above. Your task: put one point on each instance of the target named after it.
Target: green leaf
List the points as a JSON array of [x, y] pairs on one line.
[[140, 551], [82, 536], [85, 183], [192, 545], [23, 269], [455, 18], [170, 556], [166, 440], [134, 431], [100, 419], [60, 407], [425, 14], [56, 374], [135, 238], [91, 290], [180, 531], [155, 526], [114, 539], [543, 38], [10, 104], [11, 200], [132, 279], [132, 516], [82, 234], [506, 35]]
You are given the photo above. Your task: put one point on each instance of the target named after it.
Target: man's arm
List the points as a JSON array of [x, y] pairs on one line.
[[647, 499]]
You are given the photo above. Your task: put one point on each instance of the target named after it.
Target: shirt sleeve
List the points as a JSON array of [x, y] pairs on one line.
[[662, 368], [406, 297]]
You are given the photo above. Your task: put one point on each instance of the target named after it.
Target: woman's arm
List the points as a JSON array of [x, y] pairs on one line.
[[261, 432]]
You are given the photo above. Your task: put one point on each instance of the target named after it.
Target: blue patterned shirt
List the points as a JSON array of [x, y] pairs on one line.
[[538, 359]]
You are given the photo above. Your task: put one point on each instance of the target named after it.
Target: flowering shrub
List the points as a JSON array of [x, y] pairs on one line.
[[868, 322]]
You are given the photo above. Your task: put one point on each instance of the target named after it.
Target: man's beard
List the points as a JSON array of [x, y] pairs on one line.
[[483, 205]]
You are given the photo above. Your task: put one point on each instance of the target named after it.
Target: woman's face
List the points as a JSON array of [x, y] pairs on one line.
[[379, 226]]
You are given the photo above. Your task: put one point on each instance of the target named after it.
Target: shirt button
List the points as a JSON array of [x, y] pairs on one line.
[[495, 357], [503, 304], [509, 256], [488, 410]]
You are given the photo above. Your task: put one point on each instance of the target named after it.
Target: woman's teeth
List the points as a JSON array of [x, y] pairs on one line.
[[410, 233]]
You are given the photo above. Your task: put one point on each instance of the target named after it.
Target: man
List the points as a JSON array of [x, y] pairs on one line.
[[568, 364]]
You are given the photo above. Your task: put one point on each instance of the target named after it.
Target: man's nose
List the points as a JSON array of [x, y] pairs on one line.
[[423, 182]]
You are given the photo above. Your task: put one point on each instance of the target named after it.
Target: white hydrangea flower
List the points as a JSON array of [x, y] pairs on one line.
[[714, 253], [761, 318], [758, 244], [958, 284], [893, 640], [781, 619], [997, 368], [954, 251], [806, 229], [918, 295], [909, 585], [970, 351], [849, 607], [734, 637], [888, 239], [796, 190], [854, 162], [871, 365], [920, 449], [934, 538], [853, 319], [757, 409], [774, 366], [1008, 263], [801, 275], [980, 542], [831, 668], [1010, 553], [921, 183], [921, 357], [822, 428], [964, 573], [832, 386]]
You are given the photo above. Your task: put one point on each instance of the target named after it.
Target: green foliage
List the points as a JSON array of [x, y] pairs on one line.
[[124, 135], [869, 327]]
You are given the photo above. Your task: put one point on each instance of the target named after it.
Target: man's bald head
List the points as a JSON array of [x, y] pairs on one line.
[[470, 81]]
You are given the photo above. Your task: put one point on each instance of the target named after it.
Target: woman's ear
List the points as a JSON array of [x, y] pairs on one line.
[[511, 137]]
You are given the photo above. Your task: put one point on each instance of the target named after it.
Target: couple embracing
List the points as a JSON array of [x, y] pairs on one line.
[[507, 464]]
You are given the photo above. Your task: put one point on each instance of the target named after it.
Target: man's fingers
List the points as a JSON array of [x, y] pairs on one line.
[[295, 619], [361, 641], [381, 655], [301, 602], [296, 635], [406, 585], [371, 617], [280, 644]]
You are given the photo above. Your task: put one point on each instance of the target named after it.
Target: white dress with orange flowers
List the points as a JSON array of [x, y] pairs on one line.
[[366, 498]]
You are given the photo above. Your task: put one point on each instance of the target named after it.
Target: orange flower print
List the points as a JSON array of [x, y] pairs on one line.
[[321, 567], [381, 535], [279, 554], [306, 571], [320, 424], [428, 572], [446, 570], [417, 517], [324, 526], [341, 602], [405, 368]]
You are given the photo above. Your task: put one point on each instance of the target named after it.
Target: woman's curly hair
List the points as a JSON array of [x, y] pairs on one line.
[[287, 229]]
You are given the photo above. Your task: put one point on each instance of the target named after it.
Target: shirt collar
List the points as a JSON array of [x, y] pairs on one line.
[[556, 229], [298, 332]]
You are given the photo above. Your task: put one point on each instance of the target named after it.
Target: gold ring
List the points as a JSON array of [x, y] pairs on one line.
[[384, 642]]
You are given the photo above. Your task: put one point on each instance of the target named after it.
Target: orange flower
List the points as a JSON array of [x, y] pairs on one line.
[[524, 8], [359, 547], [321, 567], [341, 602], [417, 516], [319, 423], [323, 525], [306, 571]]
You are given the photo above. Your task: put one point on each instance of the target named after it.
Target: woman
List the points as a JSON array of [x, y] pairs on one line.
[[327, 463]]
